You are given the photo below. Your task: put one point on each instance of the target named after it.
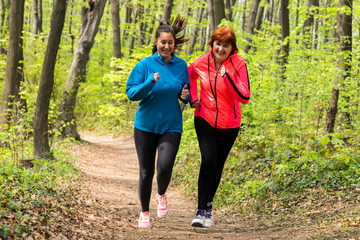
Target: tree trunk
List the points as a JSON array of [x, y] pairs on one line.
[[72, 37], [219, 10], [37, 17], [271, 11], [132, 38], [244, 16], [77, 72], [204, 37], [41, 134], [141, 25], [344, 37], [127, 17], [115, 9], [151, 28], [12, 61], [167, 10], [196, 30], [211, 15], [259, 18], [20, 102], [115, 17], [216, 12], [285, 33], [3, 9], [228, 5], [331, 112], [251, 22]]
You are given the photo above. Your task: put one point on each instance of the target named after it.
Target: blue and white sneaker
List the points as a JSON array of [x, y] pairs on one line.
[[209, 219], [199, 220]]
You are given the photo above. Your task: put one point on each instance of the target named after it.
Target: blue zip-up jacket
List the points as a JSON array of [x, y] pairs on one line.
[[159, 110]]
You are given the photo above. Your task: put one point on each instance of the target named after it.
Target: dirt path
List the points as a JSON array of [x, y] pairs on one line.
[[112, 207]]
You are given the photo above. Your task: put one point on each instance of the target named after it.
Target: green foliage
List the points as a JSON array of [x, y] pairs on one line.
[[30, 194]]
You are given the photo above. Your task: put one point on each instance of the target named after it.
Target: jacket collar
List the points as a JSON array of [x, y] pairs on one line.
[[161, 58]]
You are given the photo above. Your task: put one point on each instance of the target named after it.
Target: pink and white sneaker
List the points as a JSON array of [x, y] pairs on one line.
[[144, 219], [162, 206]]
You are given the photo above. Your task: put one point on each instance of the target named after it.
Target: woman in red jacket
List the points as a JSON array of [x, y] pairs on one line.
[[224, 84]]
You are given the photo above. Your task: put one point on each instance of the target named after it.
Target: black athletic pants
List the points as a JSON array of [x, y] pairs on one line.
[[146, 144], [215, 145]]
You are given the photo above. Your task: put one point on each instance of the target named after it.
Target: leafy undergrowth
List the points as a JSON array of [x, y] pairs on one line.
[[32, 197]]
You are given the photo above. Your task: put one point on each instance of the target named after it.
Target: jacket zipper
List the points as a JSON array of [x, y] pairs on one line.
[[213, 91]]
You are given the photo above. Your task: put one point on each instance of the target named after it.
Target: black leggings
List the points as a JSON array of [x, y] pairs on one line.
[[146, 144], [215, 145]]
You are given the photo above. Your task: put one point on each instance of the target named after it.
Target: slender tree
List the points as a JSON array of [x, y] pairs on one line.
[[344, 37], [285, 33], [243, 25], [141, 36], [251, 22], [167, 10], [37, 17], [195, 32], [228, 13], [21, 102], [12, 61], [41, 135], [115, 19], [92, 16], [216, 10]]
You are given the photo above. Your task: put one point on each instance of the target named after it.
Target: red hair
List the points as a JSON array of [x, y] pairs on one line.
[[223, 34]]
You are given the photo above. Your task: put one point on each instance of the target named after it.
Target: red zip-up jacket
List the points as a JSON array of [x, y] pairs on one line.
[[220, 97]]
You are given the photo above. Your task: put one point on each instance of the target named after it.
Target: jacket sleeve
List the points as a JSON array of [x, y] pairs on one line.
[[139, 85], [238, 81], [193, 76]]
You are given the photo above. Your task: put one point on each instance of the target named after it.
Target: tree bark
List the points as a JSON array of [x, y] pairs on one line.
[[196, 30], [72, 37], [3, 9], [37, 17], [211, 15], [20, 102], [77, 73], [285, 33], [244, 16], [251, 22], [216, 10], [229, 15], [115, 17], [204, 37], [132, 38], [12, 61], [344, 37], [167, 10], [41, 134], [141, 35], [259, 18]]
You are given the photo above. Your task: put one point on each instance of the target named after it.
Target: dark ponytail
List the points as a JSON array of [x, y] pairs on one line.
[[174, 26]]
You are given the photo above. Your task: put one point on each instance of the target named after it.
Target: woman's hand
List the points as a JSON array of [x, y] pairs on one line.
[[156, 77], [223, 71], [195, 104], [184, 93]]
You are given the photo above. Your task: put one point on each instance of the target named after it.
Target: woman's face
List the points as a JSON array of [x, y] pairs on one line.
[[165, 44], [221, 50]]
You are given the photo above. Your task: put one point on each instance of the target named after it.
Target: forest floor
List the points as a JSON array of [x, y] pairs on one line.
[[109, 206]]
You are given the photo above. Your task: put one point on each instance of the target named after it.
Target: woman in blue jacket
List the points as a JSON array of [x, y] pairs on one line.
[[159, 82]]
